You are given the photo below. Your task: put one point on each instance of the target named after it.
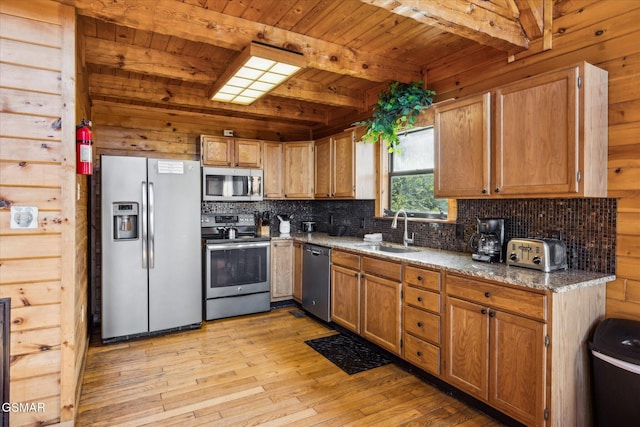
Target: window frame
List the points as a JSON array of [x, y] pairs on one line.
[[391, 174], [382, 201]]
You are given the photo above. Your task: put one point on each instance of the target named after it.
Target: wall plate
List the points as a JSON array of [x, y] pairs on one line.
[[24, 217], [227, 132]]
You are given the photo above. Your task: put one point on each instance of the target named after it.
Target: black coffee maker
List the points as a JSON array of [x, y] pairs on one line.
[[488, 241]]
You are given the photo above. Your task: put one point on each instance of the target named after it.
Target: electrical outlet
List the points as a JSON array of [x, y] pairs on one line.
[[24, 217], [227, 132]]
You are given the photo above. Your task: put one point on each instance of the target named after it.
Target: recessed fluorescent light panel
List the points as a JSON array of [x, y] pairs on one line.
[[256, 71]]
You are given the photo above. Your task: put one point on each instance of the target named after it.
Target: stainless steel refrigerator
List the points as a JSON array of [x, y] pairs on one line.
[[151, 250]]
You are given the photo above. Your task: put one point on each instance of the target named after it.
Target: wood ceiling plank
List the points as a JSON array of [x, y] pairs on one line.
[[150, 61], [106, 30], [235, 8], [174, 95], [342, 18], [317, 19], [258, 8], [326, 94], [295, 12], [194, 23], [462, 18]]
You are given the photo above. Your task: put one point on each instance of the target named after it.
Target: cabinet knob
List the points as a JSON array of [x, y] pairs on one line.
[[487, 294], [483, 311], [484, 191], [356, 275], [419, 354], [420, 278], [497, 190], [420, 324], [328, 195], [419, 299], [492, 313]]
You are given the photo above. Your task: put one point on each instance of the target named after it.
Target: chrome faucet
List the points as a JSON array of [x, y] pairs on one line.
[[405, 238]]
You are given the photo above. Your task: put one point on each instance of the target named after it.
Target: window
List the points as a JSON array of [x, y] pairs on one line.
[[411, 177]]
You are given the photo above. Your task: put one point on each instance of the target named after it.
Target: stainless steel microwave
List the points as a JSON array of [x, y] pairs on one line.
[[231, 184]]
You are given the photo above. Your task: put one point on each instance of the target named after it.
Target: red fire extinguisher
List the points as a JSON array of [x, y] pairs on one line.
[[84, 154]]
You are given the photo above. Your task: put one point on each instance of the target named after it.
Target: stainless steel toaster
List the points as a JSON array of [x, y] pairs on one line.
[[540, 254]]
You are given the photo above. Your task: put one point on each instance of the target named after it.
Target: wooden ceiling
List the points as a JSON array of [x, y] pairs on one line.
[[168, 53]]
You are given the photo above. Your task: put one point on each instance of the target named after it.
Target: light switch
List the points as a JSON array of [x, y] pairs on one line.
[[24, 217]]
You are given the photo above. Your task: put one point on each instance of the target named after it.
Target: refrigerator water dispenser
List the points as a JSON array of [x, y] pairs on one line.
[[125, 221]]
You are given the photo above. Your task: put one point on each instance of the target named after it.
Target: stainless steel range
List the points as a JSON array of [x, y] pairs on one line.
[[236, 266]]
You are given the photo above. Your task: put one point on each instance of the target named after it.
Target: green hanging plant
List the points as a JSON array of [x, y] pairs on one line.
[[396, 111]]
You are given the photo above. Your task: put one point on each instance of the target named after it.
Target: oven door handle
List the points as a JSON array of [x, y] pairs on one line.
[[226, 246]]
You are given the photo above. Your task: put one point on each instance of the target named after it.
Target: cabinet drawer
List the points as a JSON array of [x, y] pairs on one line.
[[422, 324], [422, 278], [345, 259], [497, 296], [422, 299], [422, 354], [389, 269]]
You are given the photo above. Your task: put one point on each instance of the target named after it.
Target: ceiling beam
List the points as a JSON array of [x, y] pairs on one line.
[[153, 62], [190, 22], [462, 18], [180, 96]]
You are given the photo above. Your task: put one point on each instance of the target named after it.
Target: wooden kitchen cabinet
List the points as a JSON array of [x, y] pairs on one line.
[[298, 170], [281, 263], [462, 136], [344, 167], [551, 134], [345, 290], [288, 170], [230, 152], [495, 348], [273, 163], [381, 309], [549, 138], [297, 271], [421, 311]]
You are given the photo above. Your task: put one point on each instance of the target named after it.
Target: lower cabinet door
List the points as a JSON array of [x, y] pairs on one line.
[[518, 367], [345, 298], [381, 312], [467, 347]]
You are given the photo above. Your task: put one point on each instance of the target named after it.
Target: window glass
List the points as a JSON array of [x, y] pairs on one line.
[[411, 177]]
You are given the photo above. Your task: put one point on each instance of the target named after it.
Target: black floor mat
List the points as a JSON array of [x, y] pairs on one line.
[[297, 313], [348, 354]]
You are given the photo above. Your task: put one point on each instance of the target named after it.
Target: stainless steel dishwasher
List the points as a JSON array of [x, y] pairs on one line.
[[316, 281]]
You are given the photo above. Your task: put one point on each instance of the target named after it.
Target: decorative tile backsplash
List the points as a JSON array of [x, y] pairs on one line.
[[587, 226]]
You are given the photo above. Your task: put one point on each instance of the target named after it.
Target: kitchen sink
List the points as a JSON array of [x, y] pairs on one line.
[[381, 247]]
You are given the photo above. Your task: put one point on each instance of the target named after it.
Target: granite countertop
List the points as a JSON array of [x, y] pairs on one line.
[[457, 262]]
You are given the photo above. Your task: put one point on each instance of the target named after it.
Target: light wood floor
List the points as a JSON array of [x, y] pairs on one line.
[[253, 370]]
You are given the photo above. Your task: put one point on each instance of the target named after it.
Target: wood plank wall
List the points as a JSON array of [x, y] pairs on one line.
[[606, 34], [39, 269]]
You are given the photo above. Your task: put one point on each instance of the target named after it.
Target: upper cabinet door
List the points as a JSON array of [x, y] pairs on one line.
[[273, 161], [536, 138], [248, 153], [324, 167], [216, 151], [298, 170], [462, 147], [344, 158]]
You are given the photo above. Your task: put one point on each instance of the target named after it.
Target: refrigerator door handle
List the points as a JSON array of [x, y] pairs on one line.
[[152, 233], [144, 224]]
